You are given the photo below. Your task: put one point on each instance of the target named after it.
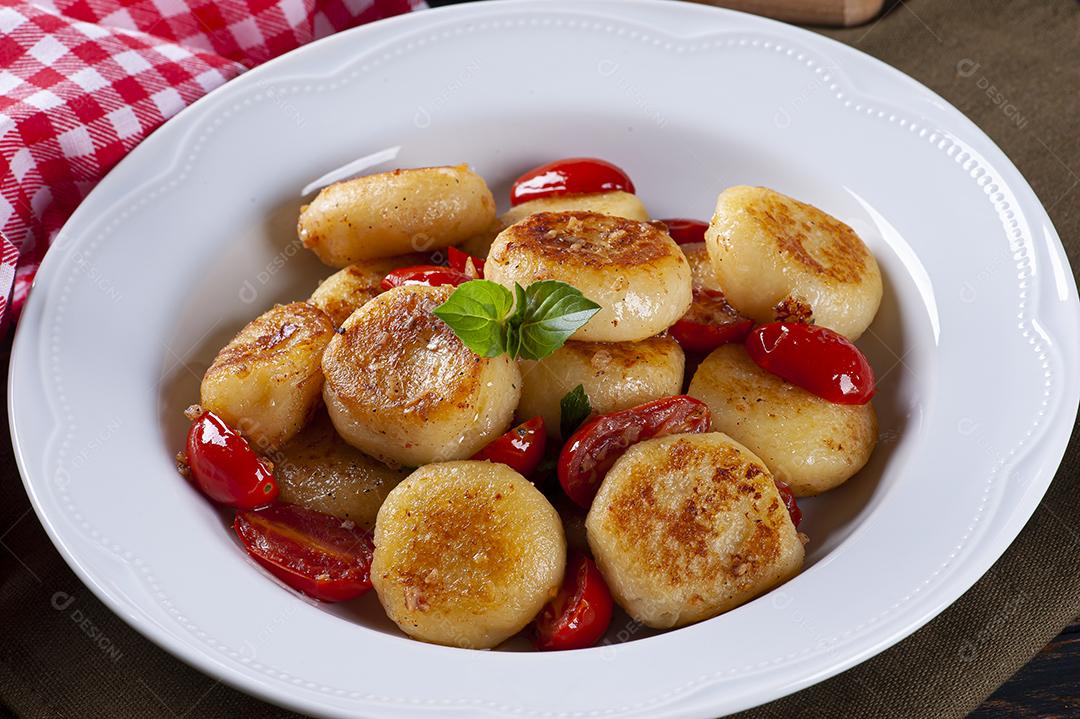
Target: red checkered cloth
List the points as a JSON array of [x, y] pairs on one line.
[[84, 81]]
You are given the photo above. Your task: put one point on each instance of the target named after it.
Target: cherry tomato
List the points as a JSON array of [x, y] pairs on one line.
[[572, 176], [521, 448], [789, 502], [593, 448], [686, 232], [322, 556], [709, 323], [430, 275], [225, 467], [814, 358], [580, 613], [460, 261]]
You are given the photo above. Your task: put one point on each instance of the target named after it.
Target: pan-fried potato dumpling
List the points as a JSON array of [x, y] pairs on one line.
[[634, 271], [342, 292], [616, 203], [395, 213], [466, 554], [266, 381], [401, 386], [615, 376], [318, 470], [702, 274], [776, 258], [688, 526], [808, 442]]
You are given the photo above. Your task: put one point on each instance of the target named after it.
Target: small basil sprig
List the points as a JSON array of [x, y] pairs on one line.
[[574, 408], [531, 323]]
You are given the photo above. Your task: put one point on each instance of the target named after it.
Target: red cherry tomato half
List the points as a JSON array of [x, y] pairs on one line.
[[521, 448], [322, 556], [430, 275], [580, 613], [789, 502], [686, 232], [593, 448], [459, 261], [709, 323], [814, 358], [572, 176], [225, 467]]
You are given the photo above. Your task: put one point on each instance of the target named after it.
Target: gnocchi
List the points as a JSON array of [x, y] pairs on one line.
[[466, 553], [808, 442], [614, 375], [778, 258], [634, 271], [266, 381], [395, 213], [401, 386], [688, 526], [340, 294], [318, 470], [702, 274]]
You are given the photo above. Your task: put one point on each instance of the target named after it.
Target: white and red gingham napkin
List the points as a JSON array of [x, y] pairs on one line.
[[84, 81]]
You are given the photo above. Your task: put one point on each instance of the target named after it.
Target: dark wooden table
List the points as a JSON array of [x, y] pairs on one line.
[[1047, 686]]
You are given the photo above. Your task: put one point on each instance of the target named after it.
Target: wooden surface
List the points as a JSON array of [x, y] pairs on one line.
[[1047, 686]]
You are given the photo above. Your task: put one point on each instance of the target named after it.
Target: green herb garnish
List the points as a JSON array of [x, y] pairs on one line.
[[530, 324], [574, 408]]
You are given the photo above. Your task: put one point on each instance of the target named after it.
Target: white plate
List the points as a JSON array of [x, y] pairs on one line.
[[193, 234]]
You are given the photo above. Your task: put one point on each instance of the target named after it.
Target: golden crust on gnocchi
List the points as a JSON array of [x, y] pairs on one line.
[[688, 526], [395, 213], [614, 375], [319, 470], [266, 381], [402, 387], [633, 270], [340, 294], [466, 553], [776, 257], [808, 442]]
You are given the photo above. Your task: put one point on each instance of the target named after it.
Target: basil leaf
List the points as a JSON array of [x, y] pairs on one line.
[[477, 313], [553, 311], [574, 408], [513, 324], [531, 323]]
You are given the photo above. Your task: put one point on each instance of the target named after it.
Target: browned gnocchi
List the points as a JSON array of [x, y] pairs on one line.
[[466, 553], [395, 213], [614, 376], [317, 469], [778, 258], [343, 292], [633, 270], [401, 386], [808, 442], [266, 381], [688, 526]]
